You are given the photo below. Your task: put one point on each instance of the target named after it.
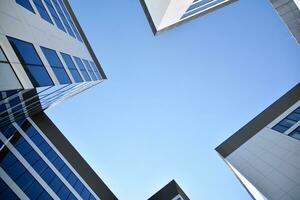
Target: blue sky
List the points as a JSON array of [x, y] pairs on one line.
[[170, 100]]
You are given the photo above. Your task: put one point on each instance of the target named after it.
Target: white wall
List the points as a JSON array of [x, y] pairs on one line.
[[18, 22], [271, 162], [166, 12]]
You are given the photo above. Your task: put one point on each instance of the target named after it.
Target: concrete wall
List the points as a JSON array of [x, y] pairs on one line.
[[270, 161]]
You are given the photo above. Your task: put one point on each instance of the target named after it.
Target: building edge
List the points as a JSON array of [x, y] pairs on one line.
[[259, 122], [158, 32], [73, 156], [85, 40]]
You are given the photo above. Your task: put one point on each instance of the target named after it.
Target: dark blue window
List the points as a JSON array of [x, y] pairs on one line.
[[63, 192], [48, 175], [196, 5], [9, 131], [296, 133], [54, 15], [82, 69], [70, 20], [21, 176], [90, 70], [288, 121], [26, 4], [58, 163], [95, 70], [85, 194], [56, 65], [201, 6], [31, 62], [69, 62], [63, 18], [6, 192], [78, 186], [42, 10]]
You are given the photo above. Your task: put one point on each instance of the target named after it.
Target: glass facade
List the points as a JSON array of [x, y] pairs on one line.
[[21, 176], [42, 10], [63, 18], [6, 192], [82, 69], [31, 62], [31, 166], [56, 65], [70, 64], [90, 69], [296, 133], [25, 179], [70, 20], [56, 160], [54, 15], [199, 6], [288, 121]]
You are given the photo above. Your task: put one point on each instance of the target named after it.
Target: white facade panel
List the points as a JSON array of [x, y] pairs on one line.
[[270, 161]]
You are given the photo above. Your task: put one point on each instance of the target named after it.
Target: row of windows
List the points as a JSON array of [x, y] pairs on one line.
[[42, 10], [6, 192], [55, 159], [60, 16], [199, 6], [288, 122], [296, 133], [37, 72], [41, 167], [21, 176]]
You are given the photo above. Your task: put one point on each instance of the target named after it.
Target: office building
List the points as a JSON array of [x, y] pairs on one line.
[[171, 191], [38, 162], [44, 55], [45, 58], [265, 153], [289, 11], [165, 14]]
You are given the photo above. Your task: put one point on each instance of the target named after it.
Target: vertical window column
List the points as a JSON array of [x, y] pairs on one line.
[[54, 15], [56, 65], [31, 62], [26, 4]]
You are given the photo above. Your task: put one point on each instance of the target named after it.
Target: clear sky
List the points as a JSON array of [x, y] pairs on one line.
[[170, 100]]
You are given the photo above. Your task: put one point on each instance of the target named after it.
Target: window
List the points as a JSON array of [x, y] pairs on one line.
[[198, 4], [63, 18], [288, 121], [96, 70], [31, 62], [26, 4], [54, 15], [6, 192], [32, 157], [8, 78], [19, 174], [70, 20], [296, 133], [90, 70], [69, 62], [42, 10], [82, 69], [56, 65], [201, 6], [58, 163]]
